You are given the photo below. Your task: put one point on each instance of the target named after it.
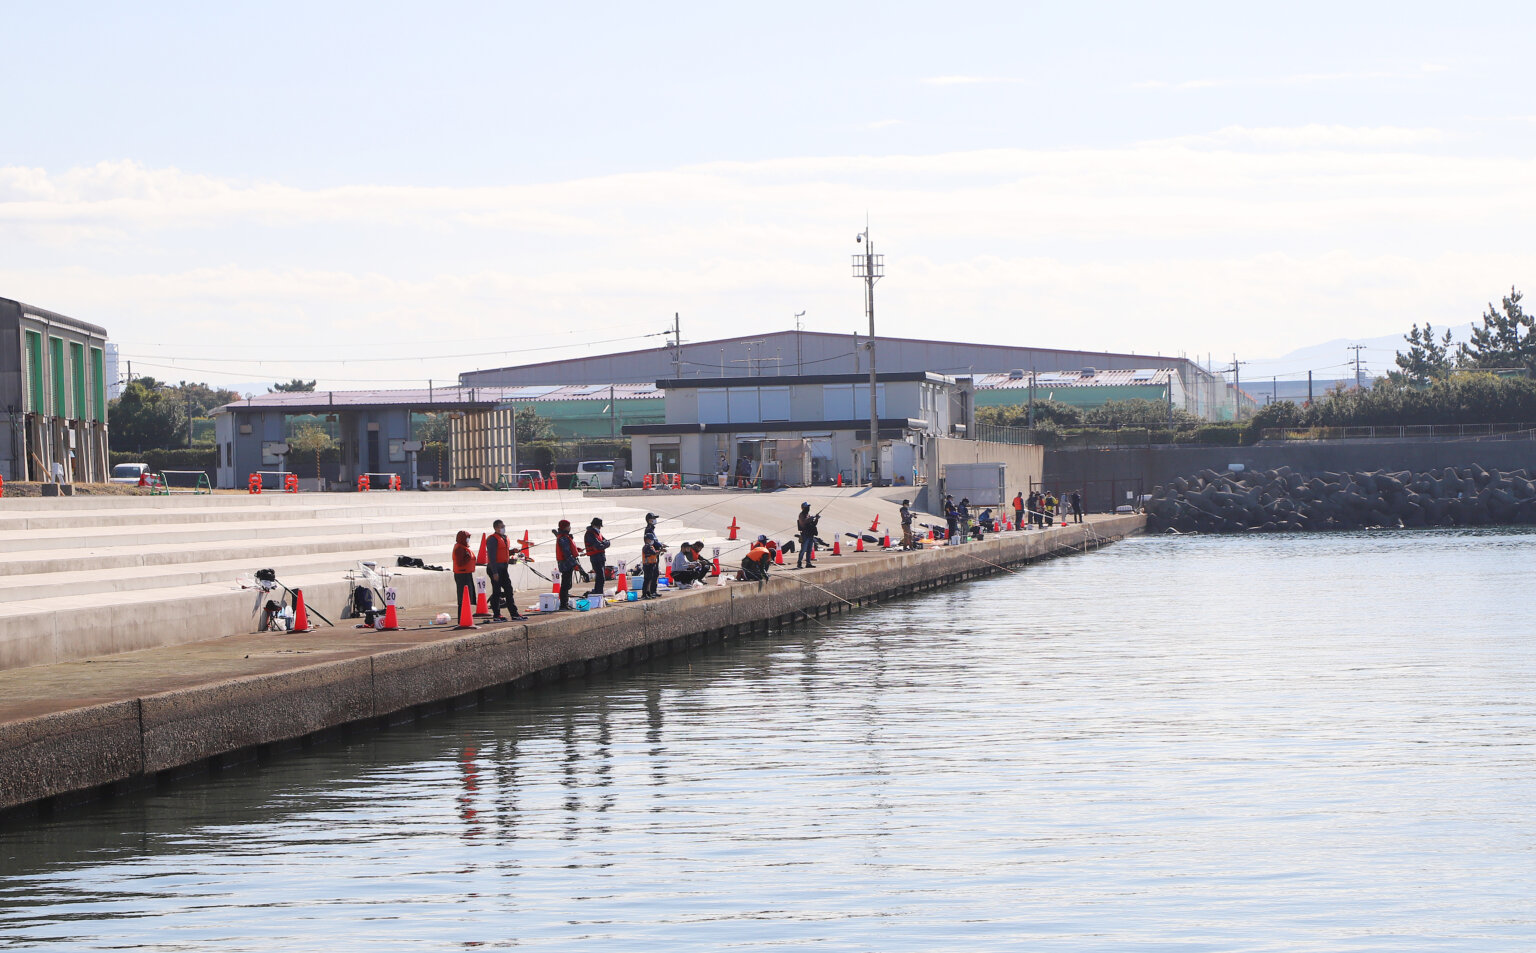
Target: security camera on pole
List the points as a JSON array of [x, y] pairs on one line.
[[870, 267]]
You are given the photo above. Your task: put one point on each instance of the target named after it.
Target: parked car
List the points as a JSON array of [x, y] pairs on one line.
[[128, 473], [529, 478], [601, 474]]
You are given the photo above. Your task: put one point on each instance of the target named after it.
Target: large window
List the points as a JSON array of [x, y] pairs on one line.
[[33, 392], [77, 406], [56, 372], [98, 385]]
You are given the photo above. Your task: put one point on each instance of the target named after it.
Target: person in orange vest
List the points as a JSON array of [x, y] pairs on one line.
[[758, 559], [650, 559], [463, 569], [566, 560], [1018, 510], [498, 556], [597, 551]]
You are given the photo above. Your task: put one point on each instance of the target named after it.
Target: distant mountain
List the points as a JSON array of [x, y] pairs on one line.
[[1334, 360]]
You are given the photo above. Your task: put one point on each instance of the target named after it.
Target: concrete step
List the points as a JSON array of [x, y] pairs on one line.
[[105, 539]]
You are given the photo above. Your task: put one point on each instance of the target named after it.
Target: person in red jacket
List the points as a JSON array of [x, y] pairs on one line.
[[463, 570], [566, 560]]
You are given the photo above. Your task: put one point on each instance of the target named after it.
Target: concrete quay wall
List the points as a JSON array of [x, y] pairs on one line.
[[126, 741]]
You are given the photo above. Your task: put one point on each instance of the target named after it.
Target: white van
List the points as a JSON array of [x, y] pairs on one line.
[[600, 474], [128, 473]]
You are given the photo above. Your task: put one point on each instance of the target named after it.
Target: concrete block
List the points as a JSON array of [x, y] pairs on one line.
[[687, 613], [427, 673], [578, 636], [184, 726], [69, 751]]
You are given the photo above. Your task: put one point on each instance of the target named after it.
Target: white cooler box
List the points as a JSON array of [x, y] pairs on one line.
[[549, 602]]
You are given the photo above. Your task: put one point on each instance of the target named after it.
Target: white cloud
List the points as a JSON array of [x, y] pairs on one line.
[[1291, 79], [1253, 239], [971, 80]]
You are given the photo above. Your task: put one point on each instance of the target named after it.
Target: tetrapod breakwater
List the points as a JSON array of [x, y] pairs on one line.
[[81, 728], [1284, 500]]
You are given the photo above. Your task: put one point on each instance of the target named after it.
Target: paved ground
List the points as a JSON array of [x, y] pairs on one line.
[[35, 690]]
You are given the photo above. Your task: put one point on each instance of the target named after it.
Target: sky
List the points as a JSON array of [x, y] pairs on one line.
[[383, 194]]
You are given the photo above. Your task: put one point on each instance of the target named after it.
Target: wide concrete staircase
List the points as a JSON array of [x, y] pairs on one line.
[[86, 577]]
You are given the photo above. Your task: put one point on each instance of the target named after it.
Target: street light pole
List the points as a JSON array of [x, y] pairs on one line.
[[871, 267]]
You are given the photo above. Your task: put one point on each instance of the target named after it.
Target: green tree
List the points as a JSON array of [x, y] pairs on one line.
[[311, 439], [1506, 339], [1280, 413], [1017, 415], [1137, 412], [294, 386], [146, 417], [531, 427], [1427, 359]]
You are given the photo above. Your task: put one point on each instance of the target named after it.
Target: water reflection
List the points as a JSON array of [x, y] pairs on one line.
[[1312, 743]]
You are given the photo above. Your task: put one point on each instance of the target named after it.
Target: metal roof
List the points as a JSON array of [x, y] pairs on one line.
[[444, 398], [1141, 377]]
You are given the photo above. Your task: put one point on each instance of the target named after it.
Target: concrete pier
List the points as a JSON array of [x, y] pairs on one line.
[[85, 727]]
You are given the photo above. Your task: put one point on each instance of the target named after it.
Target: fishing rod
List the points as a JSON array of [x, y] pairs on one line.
[[807, 582]]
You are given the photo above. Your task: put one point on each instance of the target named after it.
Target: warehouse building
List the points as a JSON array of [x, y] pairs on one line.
[[53, 385], [798, 353]]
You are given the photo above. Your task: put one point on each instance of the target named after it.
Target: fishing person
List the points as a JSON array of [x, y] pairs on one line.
[[650, 558], [951, 522], [805, 526], [754, 566], [687, 570], [907, 541], [1018, 510], [498, 557], [566, 560], [463, 570], [597, 551], [1077, 506]]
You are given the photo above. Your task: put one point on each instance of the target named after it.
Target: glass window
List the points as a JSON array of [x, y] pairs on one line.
[[56, 372], [34, 371], [98, 385], [773, 403], [77, 406], [743, 405], [713, 408]]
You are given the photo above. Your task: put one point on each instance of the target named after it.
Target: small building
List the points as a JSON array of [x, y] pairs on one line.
[[799, 429], [53, 385], [1085, 388]]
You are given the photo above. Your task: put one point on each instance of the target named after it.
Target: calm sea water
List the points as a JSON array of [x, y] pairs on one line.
[[1302, 743]]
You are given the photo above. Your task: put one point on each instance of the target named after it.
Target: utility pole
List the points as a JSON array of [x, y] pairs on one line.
[[1237, 387], [798, 357], [677, 347], [1357, 348], [871, 268], [1030, 414], [1309, 387]]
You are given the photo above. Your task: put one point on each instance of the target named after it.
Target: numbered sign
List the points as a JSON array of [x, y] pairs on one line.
[[480, 586], [621, 567], [717, 552], [389, 595]]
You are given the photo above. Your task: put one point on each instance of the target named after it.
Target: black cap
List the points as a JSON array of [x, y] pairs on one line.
[[597, 521], [650, 516]]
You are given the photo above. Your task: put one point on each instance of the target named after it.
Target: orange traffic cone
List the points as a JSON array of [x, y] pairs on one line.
[[810, 555], [839, 479], [466, 613], [733, 528], [875, 526], [886, 543], [837, 546], [930, 534], [716, 571], [480, 606], [391, 621], [623, 582], [480, 559], [778, 556], [525, 541], [669, 575], [300, 616], [858, 547]]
